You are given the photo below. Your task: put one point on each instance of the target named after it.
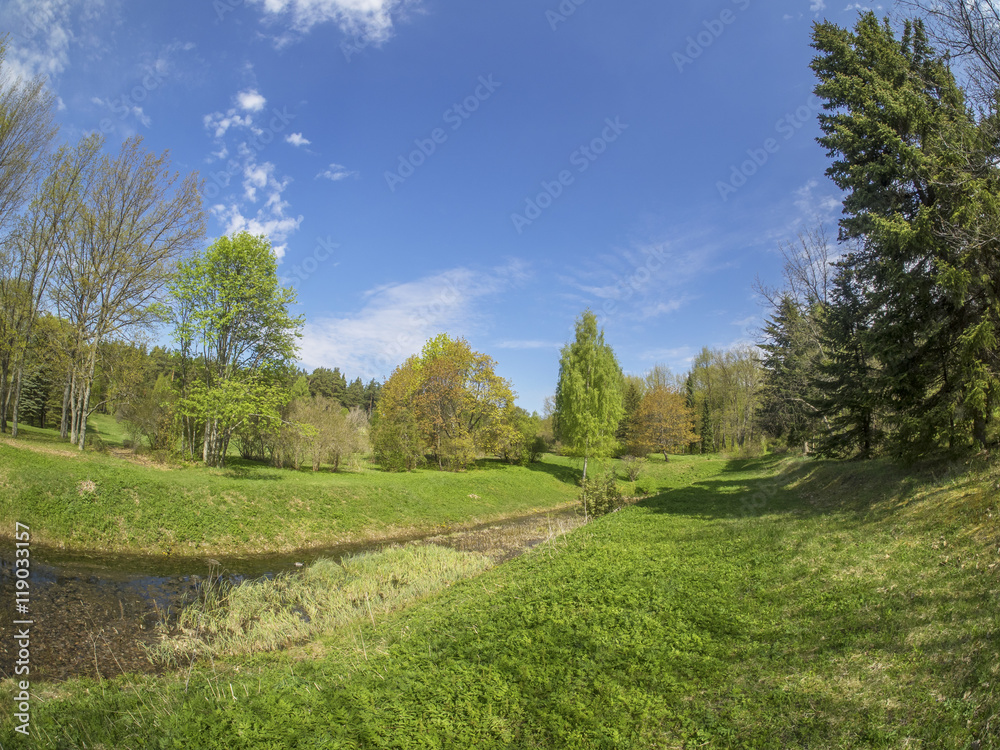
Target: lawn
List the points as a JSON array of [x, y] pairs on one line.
[[776, 603]]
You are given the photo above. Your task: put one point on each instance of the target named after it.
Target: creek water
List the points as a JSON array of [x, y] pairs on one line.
[[94, 613]]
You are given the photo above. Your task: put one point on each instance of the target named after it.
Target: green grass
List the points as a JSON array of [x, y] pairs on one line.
[[96, 501], [272, 613], [748, 604]]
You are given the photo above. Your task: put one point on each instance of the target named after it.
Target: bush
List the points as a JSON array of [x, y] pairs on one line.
[[150, 419], [633, 467], [601, 495]]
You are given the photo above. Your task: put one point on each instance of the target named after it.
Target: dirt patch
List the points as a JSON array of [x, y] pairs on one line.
[[39, 448]]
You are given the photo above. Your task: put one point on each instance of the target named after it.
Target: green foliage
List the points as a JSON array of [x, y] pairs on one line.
[[151, 418], [920, 175], [589, 404], [600, 495], [231, 313], [449, 403]]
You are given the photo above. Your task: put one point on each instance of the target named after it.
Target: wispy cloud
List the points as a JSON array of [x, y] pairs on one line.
[[44, 31], [337, 172], [395, 320], [368, 19], [250, 188], [297, 139]]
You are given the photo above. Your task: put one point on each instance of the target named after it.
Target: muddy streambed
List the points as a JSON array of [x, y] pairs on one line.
[[94, 613]]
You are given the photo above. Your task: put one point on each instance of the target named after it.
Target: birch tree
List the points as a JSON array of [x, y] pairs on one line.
[[589, 398]]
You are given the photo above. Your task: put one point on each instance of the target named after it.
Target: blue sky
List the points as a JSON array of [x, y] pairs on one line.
[[485, 169]]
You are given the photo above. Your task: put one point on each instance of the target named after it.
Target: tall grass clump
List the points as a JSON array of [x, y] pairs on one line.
[[269, 614]]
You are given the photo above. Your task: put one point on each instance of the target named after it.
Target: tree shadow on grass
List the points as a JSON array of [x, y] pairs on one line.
[[801, 487], [565, 474]]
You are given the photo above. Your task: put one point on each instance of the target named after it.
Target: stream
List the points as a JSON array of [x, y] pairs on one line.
[[94, 613]]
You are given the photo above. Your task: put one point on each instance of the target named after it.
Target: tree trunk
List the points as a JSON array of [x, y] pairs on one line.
[[4, 396], [64, 423], [84, 403], [17, 400]]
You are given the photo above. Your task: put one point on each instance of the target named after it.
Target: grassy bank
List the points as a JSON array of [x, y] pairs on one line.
[[764, 604], [95, 501]]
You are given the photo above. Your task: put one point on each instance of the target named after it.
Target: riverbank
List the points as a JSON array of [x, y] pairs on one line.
[[90, 501], [765, 604], [105, 613]]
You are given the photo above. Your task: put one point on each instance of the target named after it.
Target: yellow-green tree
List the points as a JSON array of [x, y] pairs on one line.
[[452, 400], [589, 396], [664, 420]]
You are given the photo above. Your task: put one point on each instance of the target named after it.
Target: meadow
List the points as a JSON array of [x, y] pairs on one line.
[[768, 603]]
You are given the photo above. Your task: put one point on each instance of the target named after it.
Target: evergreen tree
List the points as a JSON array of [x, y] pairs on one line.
[[847, 377], [895, 115]]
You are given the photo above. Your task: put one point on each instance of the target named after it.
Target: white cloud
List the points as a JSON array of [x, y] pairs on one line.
[[42, 33], [337, 172], [250, 100], [297, 139], [371, 20], [397, 319], [634, 282], [220, 123]]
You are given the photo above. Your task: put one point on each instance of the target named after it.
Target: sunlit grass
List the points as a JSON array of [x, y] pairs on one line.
[[774, 603], [268, 614]]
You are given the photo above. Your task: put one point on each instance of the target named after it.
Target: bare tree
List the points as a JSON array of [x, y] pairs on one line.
[[134, 223], [34, 254], [26, 133], [970, 31]]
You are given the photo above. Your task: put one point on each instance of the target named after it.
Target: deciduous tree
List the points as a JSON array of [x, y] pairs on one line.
[[589, 404]]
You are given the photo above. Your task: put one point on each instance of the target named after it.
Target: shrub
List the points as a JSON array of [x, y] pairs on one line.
[[601, 495], [151, 418], [633, 467]]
